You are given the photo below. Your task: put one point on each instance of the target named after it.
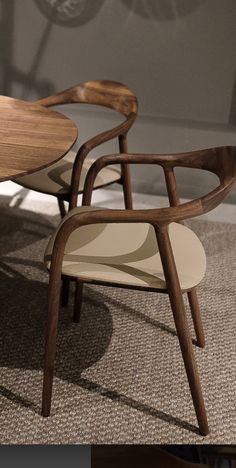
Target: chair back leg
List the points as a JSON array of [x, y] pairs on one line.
[[78, 301], [196, 316], [62, 207], [125, 174]]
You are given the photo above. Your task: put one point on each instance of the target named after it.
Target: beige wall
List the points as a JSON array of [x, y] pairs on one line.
[[177, 55]]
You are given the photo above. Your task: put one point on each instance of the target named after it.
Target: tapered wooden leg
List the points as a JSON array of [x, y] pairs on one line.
[[78, 301], [62, 208], [125, 174], [126, 178], [65, 281], [196, 316], [65, 290], [181, 323], [50, 347]]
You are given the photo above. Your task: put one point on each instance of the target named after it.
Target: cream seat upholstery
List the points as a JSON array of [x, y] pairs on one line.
[[128, 254], [56, 179]]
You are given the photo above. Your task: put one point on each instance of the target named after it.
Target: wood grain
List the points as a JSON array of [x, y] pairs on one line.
[[31, 137], [105, 93]]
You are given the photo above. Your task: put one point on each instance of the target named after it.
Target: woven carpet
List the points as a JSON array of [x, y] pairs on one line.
[[119, 375]]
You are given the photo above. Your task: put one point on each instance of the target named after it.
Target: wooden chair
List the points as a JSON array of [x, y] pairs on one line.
[[65, 178], [142, 249]]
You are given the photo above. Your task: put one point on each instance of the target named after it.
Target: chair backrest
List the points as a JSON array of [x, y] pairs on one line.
[[105, 93], [221, 161]]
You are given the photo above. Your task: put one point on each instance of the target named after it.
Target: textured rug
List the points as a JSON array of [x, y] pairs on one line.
[[119, 375]]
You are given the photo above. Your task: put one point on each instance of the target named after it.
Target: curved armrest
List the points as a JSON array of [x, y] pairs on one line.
[[106, 93], [190, 209], [221, 161], [107, 135]]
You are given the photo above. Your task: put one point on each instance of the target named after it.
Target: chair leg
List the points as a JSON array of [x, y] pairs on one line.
[[126, 182], [189, 360], [181, 323], [125, 174], [62, 207], [50, 346], [78, 301], [196, 316], [65, 289], [65, 281]]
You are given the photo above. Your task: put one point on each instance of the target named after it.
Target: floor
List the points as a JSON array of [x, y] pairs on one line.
[[35, 203], [20, 197]]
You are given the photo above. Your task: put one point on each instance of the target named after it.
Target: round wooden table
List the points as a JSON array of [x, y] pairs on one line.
[[31, 137]]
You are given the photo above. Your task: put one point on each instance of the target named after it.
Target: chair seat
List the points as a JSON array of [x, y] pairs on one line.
[[56, 178], [127, 254]]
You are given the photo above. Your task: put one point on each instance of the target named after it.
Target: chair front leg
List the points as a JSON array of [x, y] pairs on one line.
[[50, 346], [196, 316], [78, 301], [180, 318], [125, 174]]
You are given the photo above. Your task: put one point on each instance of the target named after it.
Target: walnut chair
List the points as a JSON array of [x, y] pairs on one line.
[[65, 178], [147, 249]]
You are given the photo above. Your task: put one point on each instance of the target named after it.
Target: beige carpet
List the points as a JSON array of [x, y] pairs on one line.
[[120, 376]]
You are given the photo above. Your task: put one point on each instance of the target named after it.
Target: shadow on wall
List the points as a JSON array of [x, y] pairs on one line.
[[62, 12], [69, 13], [163, 10], [9, 74]]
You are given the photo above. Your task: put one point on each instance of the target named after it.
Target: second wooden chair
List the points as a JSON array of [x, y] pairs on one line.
[[140, 249], [65, 179]]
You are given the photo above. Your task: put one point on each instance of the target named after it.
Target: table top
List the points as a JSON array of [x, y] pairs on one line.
[[31, 137]]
